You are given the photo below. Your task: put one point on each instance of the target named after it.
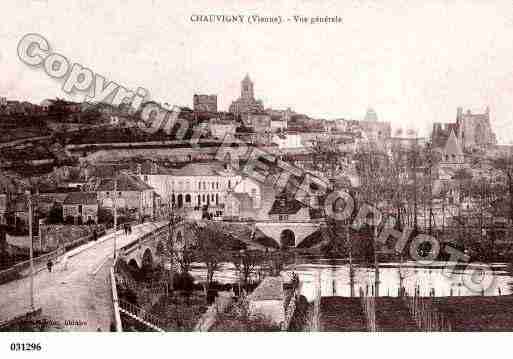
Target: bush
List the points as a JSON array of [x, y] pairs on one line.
[[55, 215], [183, 281]]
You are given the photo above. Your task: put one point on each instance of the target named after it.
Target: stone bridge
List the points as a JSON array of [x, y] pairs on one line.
[[146, 251], [288, 233]]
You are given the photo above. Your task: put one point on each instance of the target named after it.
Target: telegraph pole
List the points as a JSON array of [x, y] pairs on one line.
[[351, 270], [29, 204], [115, 213], [415, 220]]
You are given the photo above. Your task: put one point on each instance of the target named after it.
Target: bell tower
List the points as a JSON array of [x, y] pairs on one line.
[[247, 88]]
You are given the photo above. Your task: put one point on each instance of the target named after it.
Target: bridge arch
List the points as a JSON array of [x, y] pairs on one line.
[[287, 238], [147, 259], [132, 263]]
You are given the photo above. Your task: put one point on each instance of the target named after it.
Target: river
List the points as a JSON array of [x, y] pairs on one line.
[[438, 279]]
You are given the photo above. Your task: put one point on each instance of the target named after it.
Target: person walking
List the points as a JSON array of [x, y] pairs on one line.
[[49, 265]]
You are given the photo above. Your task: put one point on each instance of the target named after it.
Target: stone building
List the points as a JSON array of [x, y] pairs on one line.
[[82, 207], [259, 122], [205, 103], [246, 103], [220, 128], [133, 195], [239, 206], [194, 185], [473, 131], [452, 154]]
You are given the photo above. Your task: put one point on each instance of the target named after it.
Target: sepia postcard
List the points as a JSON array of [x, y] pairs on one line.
[[255, 166]]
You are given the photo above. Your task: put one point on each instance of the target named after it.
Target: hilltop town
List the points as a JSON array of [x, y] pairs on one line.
[[70, 171]]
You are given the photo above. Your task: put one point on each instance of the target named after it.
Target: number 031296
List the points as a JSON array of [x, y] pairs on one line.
[[25, 347]]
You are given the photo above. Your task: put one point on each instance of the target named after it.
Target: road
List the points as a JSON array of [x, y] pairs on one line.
[[76, 295]]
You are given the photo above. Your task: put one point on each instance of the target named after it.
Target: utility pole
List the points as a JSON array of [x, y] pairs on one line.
[[172, 222], [351, 270], [115, 213], [29, 204], [415, 220], [430, 163]]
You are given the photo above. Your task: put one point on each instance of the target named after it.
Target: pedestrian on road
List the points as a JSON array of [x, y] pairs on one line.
[[129, 229], [49, 265], [95, 235]]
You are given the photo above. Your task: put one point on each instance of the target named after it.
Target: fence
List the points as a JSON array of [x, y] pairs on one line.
[[140, 315], [22, 269], [369, 310], [289, 311], [426, 316], [115, 299]]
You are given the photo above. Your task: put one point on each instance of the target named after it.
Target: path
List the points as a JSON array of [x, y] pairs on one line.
[[77, 293]]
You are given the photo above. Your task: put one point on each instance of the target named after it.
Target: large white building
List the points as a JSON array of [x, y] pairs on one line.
[[194, 185]]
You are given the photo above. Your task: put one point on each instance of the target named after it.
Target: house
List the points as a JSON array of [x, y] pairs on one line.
[[133, 195], [452, 154], [287, 208], [80, 207], [252, 188], [220, 128], [268, 300], [259, 122], [194, 185], [238, 206]]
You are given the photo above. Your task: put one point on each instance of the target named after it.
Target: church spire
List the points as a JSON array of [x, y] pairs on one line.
[[247, 88]]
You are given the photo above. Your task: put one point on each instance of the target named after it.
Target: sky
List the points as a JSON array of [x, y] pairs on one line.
[[414, 62]]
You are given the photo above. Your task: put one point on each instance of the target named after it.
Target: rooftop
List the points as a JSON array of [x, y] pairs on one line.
[[271, 288], [198, 169], [125, 182], [87, 198], [285, 205]]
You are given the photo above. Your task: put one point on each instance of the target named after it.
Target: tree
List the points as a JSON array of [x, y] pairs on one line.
[[210, 249], [55, 215], [505, 165], [184, 257], [246, 263], [105, 216]]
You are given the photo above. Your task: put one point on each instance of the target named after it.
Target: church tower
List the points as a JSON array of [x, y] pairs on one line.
[[247, 88]]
